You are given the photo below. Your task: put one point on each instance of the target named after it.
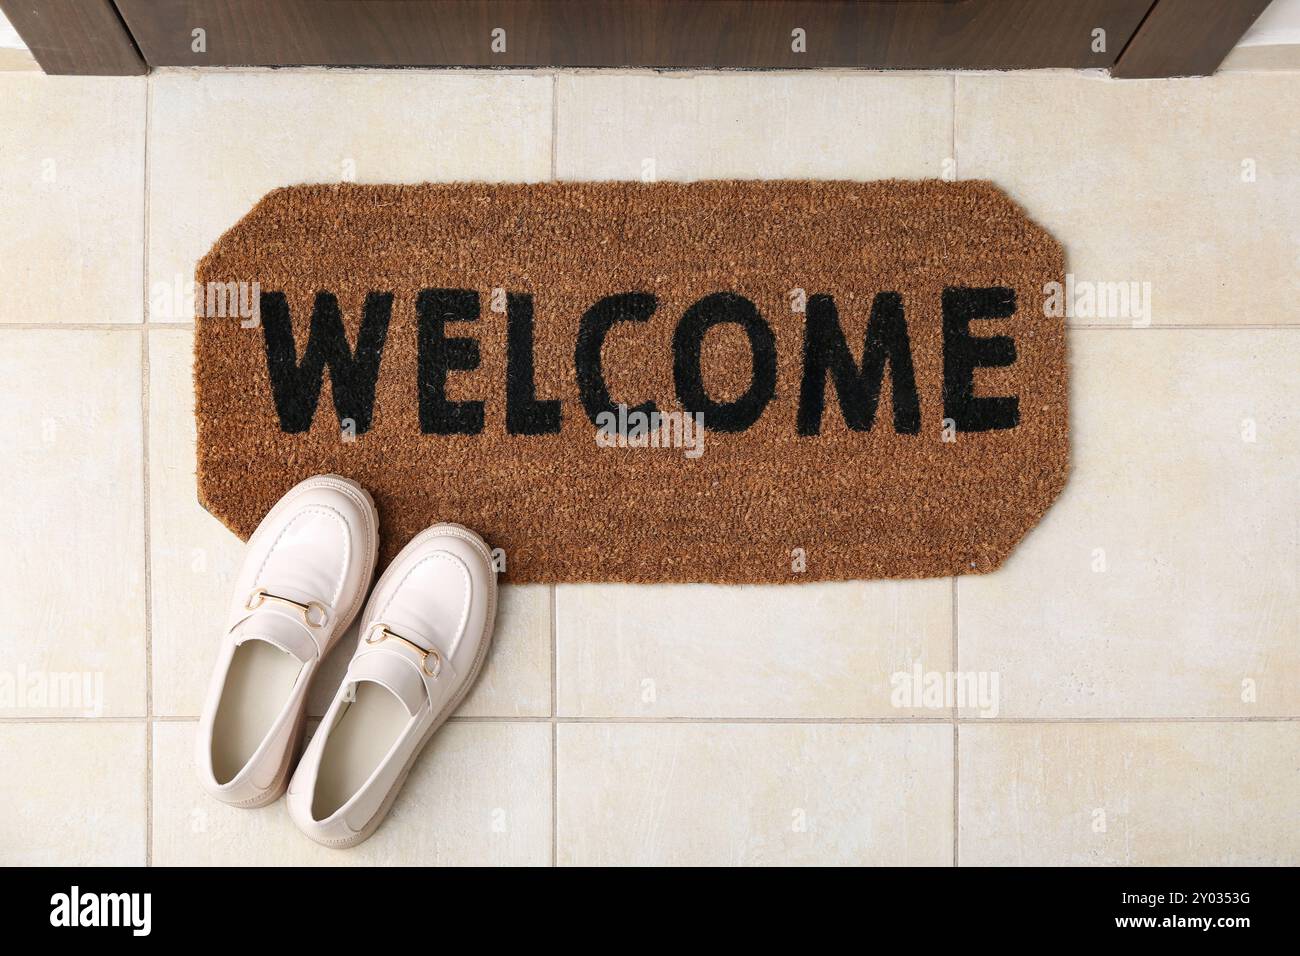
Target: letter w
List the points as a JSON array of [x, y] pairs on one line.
[[296, 385]]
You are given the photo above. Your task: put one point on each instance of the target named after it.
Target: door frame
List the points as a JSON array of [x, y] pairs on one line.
[[1143, 38]]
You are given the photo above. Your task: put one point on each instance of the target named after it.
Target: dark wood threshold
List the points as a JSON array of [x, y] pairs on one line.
[[771, 34], [1132, 38], [84, 37], [1186, 37]]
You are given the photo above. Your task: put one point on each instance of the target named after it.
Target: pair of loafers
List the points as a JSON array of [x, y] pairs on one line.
[[424, 635]]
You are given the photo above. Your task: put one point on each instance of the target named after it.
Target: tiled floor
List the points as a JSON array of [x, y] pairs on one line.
[[1140, 653]]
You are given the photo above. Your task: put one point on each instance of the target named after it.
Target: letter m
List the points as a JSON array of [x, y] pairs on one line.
[[826, 353], [296, 384]]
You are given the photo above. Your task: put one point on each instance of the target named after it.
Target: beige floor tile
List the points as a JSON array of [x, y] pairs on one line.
[[812, 650], [17, 60], [1164, 581], [713, 794], [1157, 794], [516, 677], [71, 198], [219, 142], [480, 794], [1255, 59], [1151, 181], [72, 532], [72, 794], [753, 126], [194, 558]]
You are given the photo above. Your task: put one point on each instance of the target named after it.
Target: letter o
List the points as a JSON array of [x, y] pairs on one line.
[[688, 339]]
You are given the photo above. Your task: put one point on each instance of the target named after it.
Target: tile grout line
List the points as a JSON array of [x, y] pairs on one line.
[[148, 511], [779, 721], [555, 744], [555, 727], [1179, 326], [956, 735], [91, 326], [952, 131], [955, 653], [555, 122]]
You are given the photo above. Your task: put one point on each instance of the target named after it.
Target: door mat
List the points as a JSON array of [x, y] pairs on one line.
[[714, 381]]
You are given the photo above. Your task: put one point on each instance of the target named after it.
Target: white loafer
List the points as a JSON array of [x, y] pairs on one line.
[[303, 579], [423, 638]]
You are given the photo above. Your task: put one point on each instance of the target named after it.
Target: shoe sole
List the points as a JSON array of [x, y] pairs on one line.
[[485, 641]]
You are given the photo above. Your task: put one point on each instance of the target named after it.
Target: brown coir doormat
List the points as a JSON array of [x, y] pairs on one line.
[[881, 383]]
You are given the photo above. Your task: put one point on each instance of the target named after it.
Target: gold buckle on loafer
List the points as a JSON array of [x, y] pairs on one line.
[[379, 633], [260, 596]]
